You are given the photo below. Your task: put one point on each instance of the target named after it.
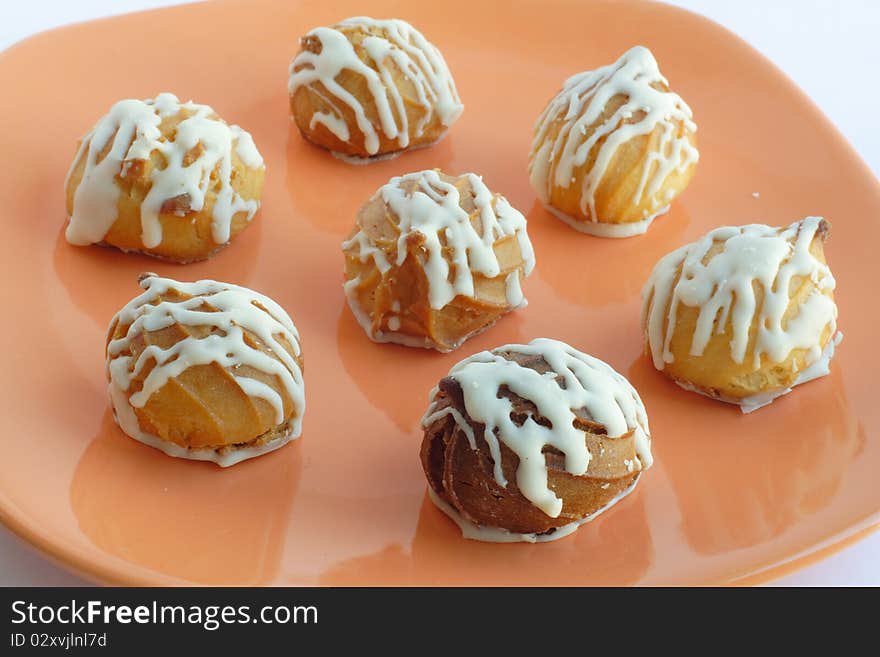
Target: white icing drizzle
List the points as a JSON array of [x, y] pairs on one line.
[[597, 229], [393, 155], [590, 384], [513, 290], [235, 310], [580, 104], [487, 534], [333, 123], [402, 48], [433, 209], [131, 132], [723, 290]]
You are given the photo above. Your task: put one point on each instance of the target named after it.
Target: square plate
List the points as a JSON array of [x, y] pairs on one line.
[[731, 497]]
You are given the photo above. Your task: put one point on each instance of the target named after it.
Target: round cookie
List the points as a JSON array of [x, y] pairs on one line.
[[528, 442], [613, 148], [206, 370], [366, 89], [164, 178], [435, 259]]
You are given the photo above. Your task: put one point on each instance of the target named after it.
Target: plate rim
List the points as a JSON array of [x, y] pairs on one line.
[[113, 571]]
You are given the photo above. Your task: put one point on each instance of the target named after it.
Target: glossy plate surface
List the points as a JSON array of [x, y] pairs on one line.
[[731, 497]]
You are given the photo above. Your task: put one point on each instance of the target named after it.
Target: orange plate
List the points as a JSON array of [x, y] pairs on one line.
[[731, 498]]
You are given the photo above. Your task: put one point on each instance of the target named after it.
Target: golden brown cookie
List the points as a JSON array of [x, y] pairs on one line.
[[527, 442], [744, 313], [367, 88], [205, 370], [613, 148], [434, 259], [164, 178]]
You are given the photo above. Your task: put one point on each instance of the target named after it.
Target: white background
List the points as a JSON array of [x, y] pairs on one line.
[[828, 47]]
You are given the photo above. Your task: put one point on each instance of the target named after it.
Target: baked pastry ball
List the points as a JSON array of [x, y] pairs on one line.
[[613, 149], [745, 313], [164, 178], [528, 442], [366, 88], [207, 371], [434, 259]]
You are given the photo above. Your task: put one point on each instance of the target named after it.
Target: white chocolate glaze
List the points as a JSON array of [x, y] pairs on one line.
[[239, 313], [454, 247], [384, 157], [487, 534], [360, 161], [591, 385], [402, 48], [129, 133], [600, 229], [581, 103], [722, 286], [513, 290], [818, 369]]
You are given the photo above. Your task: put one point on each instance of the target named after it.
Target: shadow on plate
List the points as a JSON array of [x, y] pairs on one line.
[[614, 549], [742, 480], [397, 379], [333, 191], [185, 519], [92, 275], [598, 271]]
